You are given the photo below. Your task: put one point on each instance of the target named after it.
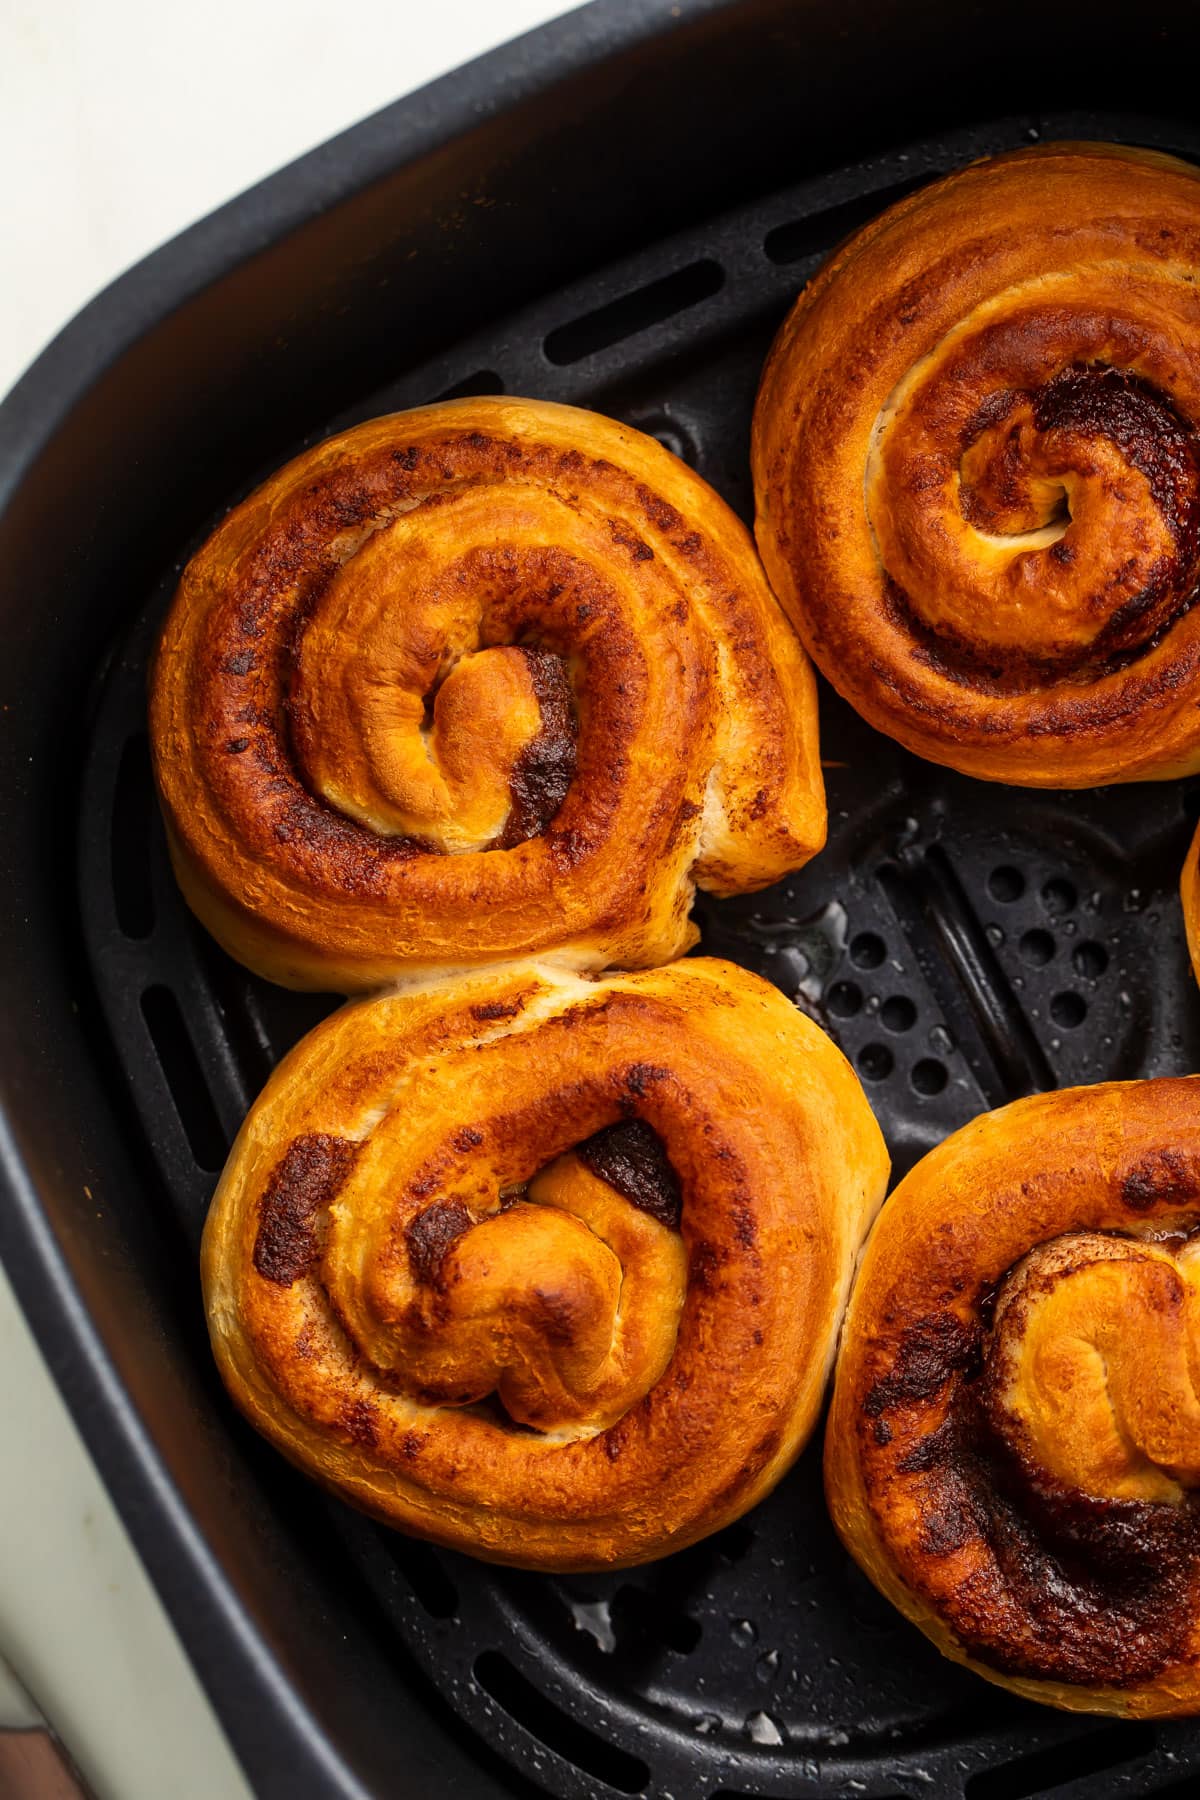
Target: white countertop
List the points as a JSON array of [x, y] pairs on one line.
[[121, 121]]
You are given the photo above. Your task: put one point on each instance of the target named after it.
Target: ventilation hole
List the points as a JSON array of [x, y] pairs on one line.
[[821, 231], [876, 1061], [484, 381], [1068, 1010], [1059, 898], [1090, 960], [552, 1727], [185, 1078], [132, 820], [646, 306], [844, 999], [867, 950], [638, 1616], [1190, 800], [929, 1076], [1072, 1761], [426, 1575], [1037, 947], [898, 1013], [1006, 884]]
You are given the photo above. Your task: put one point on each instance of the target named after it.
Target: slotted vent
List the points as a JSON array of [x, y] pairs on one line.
[[962, 944], [634, 313]]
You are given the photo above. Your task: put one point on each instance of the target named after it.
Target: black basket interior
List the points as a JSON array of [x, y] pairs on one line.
[[964, 944]]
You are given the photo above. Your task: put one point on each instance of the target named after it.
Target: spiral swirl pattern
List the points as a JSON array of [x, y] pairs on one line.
[[1190, 890], [489, 679], [977, 468], [544, 1268], [1013, 1451]]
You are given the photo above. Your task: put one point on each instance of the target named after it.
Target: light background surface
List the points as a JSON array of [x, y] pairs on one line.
[[122, 121]]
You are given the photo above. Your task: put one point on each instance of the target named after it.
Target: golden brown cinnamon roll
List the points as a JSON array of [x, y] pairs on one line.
[[1013, 1450], [977, 468], [1191, 901], [479, 681], [546, 1269]]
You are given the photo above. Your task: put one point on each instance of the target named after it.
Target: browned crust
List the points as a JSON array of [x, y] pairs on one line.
[[963, 1537], [1190, 894], [995, 282], [691, 755], [456, 1092]]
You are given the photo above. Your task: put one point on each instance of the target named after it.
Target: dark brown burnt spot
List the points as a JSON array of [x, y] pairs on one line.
[[631, 1158], [300, 1188], [568, 848], [930, 1352], [1065, 1586], [1106, 1588], [429, 1236], [641, 1076], [988, 417], [358, 1421], [744, 1230], [1151, 435], [660, 512], [545, 768], [1168, 1177], [704, 1265], [629, 540], [688, 810], [496, 1009], [468, 1138]]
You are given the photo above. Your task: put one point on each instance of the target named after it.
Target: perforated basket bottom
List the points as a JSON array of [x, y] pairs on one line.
[[962, 943]]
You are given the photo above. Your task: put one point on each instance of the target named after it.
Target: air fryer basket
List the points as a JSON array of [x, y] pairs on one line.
[[963, 943]]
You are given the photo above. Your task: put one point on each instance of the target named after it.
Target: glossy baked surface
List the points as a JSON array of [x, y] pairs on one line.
[[546, 1269], [1088, 879], [482, 680], [977, 468], [1013, 1449], [1190, 893]]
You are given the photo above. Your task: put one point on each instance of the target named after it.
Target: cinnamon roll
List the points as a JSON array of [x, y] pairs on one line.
[[542, 1268], [1013, 1450], [489, 679], [1191, 901], [977, 468]]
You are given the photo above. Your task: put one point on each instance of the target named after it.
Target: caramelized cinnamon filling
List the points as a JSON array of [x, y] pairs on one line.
[[557, 1304], [545, 768], [1093, 453], [298, 1194], [1062, 1485], [631, 1158]]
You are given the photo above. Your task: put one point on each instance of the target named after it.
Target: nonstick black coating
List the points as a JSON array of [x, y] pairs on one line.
[[963, 943], [585, 173]]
